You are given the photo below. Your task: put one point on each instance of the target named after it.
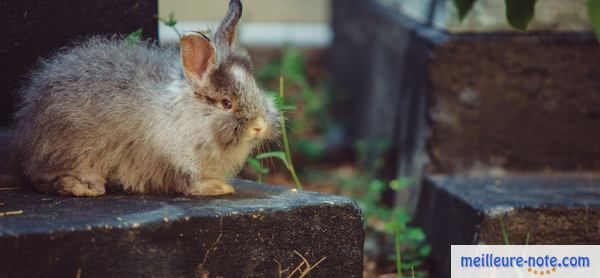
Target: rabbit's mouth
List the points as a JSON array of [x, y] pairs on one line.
[[257, 130]]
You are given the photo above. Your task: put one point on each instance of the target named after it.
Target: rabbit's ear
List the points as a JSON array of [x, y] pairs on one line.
[[197, 56], [225, 34]]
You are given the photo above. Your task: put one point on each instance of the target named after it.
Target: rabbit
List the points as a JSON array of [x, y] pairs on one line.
[[107, 111]]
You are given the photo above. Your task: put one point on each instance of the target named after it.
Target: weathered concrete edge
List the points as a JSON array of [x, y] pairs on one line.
[[180, 247], [101, 252], [514, 192], [222, 208]]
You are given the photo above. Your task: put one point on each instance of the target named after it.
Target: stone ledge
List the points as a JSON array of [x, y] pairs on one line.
[[469, 210], [128, 235]]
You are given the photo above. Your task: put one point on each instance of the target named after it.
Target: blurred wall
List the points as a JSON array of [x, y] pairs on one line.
[[273, 23], [284, 11]]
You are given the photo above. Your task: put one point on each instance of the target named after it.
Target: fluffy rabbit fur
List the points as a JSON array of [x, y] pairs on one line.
[[149, 119]]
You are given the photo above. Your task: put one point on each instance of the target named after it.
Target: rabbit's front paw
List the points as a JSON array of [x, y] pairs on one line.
[[79, 186], [206, 187]]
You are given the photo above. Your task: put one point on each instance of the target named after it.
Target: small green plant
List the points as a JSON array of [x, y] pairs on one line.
[[311, 99], [257, 166], [171, 22], [284, 156], [409, 242], [410, 247], [134, 37]]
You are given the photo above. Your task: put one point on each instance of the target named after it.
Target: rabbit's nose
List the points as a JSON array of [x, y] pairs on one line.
[[259, 125]]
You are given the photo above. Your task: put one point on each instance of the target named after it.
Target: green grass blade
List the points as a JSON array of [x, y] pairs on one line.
[[504, 232], [397, 241], [286, 144], [134, 37], [256, 166], [277, 154]]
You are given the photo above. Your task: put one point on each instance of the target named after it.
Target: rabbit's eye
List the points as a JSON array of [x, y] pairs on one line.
[[226, 104]]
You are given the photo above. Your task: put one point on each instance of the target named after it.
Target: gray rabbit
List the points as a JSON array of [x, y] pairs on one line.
[[150, 119]]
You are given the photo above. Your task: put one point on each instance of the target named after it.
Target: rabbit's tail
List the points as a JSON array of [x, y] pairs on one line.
[[10, 174]]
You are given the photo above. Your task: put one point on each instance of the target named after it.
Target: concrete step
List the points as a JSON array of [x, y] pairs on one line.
[[533, 209], [453, 103], [256, 232], [511, 99]]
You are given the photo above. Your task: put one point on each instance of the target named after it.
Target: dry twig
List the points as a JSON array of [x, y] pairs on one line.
[[9, 188], [13, 212], [303, 268]]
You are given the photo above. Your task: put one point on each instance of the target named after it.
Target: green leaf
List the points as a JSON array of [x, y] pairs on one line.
[[134, 37], [463, 7], [172, 21], [256, 166], [425, 250], [400, 183], [394, 226], [376, 187], [593, 9], [400, 219], [278, 154], [287, 107], [415, 234], [519, 13]]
